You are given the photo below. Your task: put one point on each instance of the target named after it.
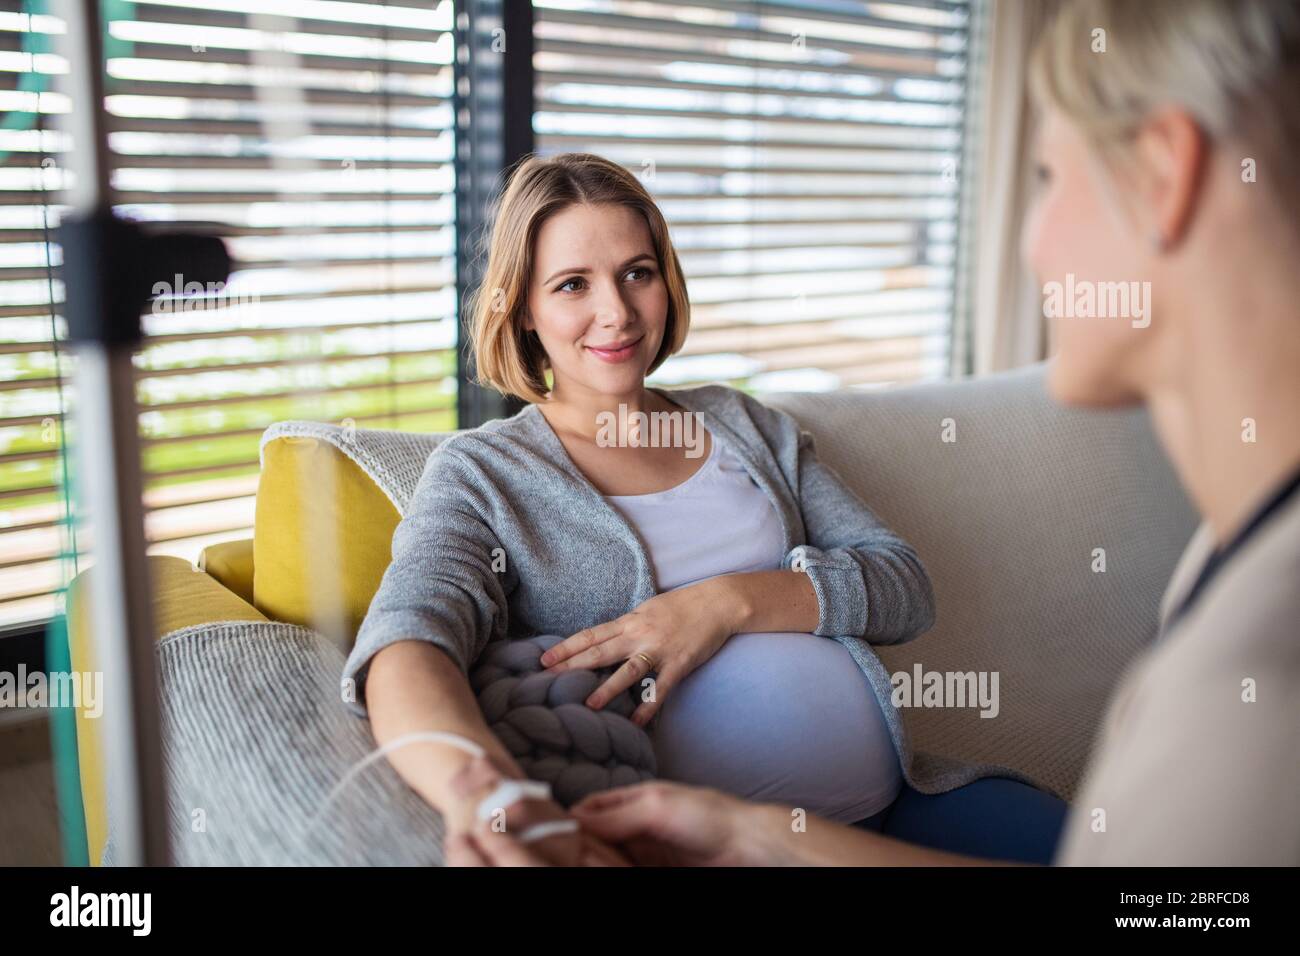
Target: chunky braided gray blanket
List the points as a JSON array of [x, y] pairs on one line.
[[543, 720]]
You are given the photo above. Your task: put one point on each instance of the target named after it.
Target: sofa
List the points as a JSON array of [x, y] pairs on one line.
[[1049, 534]]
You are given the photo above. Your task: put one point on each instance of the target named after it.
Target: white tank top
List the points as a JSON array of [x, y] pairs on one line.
[[780, 717], [718, 521]]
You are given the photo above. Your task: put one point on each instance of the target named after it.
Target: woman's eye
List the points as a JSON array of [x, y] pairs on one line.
[[564, 287], [639, 272]]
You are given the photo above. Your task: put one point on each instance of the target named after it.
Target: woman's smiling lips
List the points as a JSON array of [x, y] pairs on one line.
[[616, 355]]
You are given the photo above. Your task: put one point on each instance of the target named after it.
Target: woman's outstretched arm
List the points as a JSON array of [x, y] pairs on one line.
[[437, 606], [439, 603], [414, 686], [670, 823]]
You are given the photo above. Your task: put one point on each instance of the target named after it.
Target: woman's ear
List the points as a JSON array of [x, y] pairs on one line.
[[1172, 151]]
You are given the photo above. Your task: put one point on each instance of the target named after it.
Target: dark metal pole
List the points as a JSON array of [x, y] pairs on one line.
[[493, 104], [108, 272]]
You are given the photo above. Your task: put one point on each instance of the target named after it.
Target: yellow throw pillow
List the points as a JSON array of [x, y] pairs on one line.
[[231, 563], [323, 537]]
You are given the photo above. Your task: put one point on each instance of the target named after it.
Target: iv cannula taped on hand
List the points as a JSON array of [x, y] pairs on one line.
[[506, 794]]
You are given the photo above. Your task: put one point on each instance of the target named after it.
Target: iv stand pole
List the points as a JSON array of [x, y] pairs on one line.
[[108, 266]]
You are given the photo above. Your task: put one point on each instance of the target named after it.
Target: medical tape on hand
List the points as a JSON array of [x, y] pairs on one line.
[[510, 792], [540, 831], [506, 793]]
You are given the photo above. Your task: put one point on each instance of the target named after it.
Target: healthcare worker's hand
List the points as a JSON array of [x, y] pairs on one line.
[[485, 847], [473, 842], [670, 824]]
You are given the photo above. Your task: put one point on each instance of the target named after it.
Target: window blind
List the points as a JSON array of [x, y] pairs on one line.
[[31, 369], [805, 154], [316, 137], [806, 157]]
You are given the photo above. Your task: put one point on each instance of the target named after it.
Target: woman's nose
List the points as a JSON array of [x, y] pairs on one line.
[[611, 310]]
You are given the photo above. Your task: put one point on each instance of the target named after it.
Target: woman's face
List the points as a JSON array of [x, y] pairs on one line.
[[597, 299], [1080, 246]]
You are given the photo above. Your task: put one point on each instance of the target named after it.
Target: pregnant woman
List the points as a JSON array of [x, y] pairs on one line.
[[721, 565]]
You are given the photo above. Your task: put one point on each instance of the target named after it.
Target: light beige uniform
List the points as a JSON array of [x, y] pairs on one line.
[[1198, 758]]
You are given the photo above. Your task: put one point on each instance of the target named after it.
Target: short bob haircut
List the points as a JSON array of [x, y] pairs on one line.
[[510, 358], [1233, 65]]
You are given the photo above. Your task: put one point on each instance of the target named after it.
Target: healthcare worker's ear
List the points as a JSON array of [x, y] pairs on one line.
[[1170, 153]]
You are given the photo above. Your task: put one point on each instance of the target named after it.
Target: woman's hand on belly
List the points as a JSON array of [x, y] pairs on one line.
[[671, 634]]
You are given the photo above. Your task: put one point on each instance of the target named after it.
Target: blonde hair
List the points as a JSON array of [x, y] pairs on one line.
[[1231, 64], [510, 358]]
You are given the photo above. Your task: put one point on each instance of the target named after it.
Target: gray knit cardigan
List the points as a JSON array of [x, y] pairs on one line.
[[504, 537]]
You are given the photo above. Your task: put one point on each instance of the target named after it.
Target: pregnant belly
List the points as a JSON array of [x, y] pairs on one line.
[[781, 717]]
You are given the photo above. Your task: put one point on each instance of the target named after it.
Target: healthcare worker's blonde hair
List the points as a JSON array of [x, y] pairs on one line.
[[1233, 65], [510, 358]]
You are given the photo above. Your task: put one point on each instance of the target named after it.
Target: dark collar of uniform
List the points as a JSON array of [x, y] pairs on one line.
[[1284, 493]]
